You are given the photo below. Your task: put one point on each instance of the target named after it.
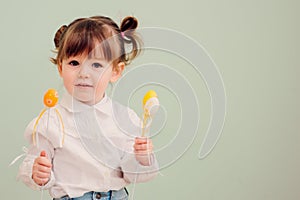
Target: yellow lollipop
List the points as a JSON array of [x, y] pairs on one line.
[[50, 100], [148, 95], [150, 107]]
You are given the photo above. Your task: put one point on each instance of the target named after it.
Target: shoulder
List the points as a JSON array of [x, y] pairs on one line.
[[126, 119], [48, 125], [118, 108], [124, 112]]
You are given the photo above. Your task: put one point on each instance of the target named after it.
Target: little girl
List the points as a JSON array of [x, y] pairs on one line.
[[78, 164]]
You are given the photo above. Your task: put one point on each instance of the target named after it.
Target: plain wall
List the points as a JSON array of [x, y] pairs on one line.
[[255, 45]]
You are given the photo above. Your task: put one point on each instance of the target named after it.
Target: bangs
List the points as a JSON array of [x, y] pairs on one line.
[[92, 39]]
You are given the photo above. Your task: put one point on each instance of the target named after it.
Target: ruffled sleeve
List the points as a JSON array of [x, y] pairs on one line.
[[48, 136], [132, 170]]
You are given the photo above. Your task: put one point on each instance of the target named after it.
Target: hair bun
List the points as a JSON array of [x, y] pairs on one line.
[[58, 35], [128, 23]]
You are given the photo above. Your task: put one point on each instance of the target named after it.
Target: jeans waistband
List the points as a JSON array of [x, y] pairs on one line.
[[110, 195]]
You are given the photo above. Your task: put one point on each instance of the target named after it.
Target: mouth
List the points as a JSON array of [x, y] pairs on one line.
[[83, 85]]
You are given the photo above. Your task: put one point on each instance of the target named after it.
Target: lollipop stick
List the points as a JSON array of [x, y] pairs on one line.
[[150, 101], [43, 154], [62, 125], [48, 121], [35, 126], [145, 122]]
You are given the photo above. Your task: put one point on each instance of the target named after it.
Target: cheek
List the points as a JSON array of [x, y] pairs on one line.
[[68, 80], [103, 80], [104, 76]]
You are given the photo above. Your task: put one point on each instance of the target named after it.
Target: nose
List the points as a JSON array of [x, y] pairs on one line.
[[83, 72]]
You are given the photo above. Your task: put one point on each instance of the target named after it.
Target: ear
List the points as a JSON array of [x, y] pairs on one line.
[[117, 72], [59, 68]]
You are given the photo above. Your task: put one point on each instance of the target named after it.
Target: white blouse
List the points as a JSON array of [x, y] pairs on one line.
[[92, 150]]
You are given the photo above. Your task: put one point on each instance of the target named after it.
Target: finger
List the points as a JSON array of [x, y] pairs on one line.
[[41, 168], [41, 181], [44, 161], [42, 175], [143, 153], [143, 150], [43, 153], [142, 140], [143, 147]]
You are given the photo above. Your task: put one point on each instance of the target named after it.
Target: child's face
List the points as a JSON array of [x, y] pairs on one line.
[[86, 79]]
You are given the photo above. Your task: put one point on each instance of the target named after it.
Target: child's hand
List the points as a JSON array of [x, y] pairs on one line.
[[41, 169], [143, 149]]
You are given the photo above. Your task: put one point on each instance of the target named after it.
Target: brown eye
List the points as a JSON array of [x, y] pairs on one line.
[[74, 63]]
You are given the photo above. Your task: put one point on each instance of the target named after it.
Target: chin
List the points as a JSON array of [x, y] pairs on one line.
[[86, 99]]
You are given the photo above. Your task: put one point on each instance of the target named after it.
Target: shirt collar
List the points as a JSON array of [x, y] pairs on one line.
[[73, 105]]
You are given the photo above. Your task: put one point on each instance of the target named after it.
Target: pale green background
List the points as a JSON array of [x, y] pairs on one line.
[[256, 47]]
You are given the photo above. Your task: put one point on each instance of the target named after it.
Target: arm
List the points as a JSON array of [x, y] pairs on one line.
[[141, 164], [35, 170]]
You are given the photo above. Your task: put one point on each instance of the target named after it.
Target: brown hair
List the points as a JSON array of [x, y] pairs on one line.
[[81, 35]]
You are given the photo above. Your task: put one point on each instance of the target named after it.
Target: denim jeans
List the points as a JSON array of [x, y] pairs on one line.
[[110, 195]]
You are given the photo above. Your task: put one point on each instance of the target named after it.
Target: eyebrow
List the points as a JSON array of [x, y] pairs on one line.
[[97, 59]]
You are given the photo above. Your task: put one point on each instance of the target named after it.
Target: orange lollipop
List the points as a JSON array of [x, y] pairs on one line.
[[50, 98]]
